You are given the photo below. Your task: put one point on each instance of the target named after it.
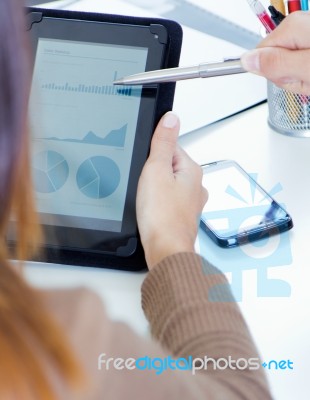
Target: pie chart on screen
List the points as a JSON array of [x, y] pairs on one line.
[[50, 171], [98, 177]]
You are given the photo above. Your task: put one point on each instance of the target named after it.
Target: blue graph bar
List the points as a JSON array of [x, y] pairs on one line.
[[93, 89]]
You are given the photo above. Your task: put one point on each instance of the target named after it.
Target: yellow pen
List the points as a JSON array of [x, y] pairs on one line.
[[279, 5]]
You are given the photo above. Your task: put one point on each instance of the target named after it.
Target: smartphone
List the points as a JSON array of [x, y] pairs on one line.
[[239, 210]]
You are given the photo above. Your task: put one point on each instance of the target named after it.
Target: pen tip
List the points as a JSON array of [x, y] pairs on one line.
[[118, 82]]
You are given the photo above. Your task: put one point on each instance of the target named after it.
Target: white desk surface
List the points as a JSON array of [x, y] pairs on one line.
[[280, 325]]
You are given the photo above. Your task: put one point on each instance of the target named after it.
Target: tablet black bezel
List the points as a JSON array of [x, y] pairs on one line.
[[122, 243]]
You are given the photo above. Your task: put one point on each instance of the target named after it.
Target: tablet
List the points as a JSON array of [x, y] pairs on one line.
[[90, 139]]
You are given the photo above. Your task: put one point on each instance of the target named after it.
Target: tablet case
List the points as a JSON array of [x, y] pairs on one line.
[[137, 261]]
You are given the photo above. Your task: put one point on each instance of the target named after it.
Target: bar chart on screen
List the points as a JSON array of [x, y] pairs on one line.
[[107, 90]]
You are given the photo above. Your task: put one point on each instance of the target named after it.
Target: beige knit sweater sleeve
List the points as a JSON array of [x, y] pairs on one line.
[[192, 315]]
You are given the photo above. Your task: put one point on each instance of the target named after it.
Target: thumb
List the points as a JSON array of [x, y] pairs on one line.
[[287, 68], [165, 138]]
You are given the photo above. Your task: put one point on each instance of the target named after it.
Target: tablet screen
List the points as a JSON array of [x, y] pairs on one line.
[[90, 139], [83, 131]]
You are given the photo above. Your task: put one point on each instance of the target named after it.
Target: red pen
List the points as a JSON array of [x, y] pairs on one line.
[[293, 5], [262, 15]]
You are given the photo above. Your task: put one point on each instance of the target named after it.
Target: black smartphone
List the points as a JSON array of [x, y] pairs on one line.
[[239, 210]]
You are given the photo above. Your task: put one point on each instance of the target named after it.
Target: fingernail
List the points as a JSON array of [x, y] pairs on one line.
[[170, 120], [250, 61]]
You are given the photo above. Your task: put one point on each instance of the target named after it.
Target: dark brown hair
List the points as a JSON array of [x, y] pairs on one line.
[[31, 343]]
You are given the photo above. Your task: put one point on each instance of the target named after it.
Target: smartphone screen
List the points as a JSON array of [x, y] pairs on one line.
[[238, 209]]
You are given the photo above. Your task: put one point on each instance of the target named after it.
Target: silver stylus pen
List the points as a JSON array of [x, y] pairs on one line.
[[228, 66]]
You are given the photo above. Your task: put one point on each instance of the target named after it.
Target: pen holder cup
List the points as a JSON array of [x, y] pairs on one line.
[[289, 113]]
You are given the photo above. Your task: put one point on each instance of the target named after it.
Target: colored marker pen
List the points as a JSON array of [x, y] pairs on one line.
[[262, 15], [276, 16], [304, 5], [293, 5], [279, 5]]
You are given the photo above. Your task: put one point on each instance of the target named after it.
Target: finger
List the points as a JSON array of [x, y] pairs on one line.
[[184, 165], [182, 160], [204, 197], [165, 138], [288, 69]]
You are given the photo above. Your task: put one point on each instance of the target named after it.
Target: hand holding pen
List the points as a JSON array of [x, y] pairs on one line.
[[203, 70], [284, 56], [277, 62]]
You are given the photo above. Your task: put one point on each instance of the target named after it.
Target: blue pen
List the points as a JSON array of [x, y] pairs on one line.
[[304, 5]]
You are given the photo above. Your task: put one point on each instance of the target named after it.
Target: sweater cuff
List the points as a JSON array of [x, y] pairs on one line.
[[185, 296]]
